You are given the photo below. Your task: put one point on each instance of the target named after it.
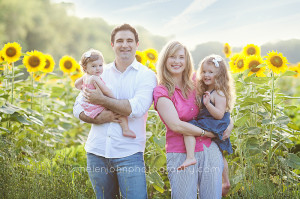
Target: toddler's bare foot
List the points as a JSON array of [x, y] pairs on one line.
[[129, 133], [225, 188], [186, 163]]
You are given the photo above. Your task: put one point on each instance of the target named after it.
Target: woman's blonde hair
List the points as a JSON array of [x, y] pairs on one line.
[[90, 56], [223, 80], [164, 75]]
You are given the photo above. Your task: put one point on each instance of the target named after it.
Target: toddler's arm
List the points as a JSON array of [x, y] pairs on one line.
[[219, 109], [78, 83], [105, 90]]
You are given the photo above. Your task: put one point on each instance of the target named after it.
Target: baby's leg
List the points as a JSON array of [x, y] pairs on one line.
[[190, 143], [225, 178], [124, 125]]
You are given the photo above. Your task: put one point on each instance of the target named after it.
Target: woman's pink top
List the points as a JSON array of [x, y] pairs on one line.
[[187, 110]]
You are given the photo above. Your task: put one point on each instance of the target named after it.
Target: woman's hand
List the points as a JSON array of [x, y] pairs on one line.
[[227, 132]]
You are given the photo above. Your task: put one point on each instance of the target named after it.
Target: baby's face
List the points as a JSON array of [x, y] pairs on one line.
[[95, 67]]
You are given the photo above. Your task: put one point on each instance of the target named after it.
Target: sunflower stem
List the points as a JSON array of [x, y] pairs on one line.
[[12, 83], [272, 126], [31, 100]]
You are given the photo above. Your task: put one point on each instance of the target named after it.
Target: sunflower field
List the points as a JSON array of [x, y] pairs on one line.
[[42, 144]]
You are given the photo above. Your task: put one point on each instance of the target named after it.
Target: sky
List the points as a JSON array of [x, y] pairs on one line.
[[237, 22]]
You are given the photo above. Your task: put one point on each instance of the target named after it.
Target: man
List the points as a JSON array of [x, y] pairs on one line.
[[115, 163]]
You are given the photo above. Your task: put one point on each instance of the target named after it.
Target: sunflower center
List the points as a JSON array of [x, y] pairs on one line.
[[240, 64], [276, 61], [151, 56], [11, 51], [68, 64], [138, 58], [251, 51], [226, 50], [34, 61], [47, 64], [252, 66]]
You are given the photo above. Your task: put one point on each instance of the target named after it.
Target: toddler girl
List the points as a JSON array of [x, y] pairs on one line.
[[215, 98], [92, 64]]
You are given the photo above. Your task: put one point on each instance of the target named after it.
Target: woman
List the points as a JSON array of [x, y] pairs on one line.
[[174, 99]]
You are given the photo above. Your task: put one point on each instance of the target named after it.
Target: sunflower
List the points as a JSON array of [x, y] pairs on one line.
[[77, 74], [34, 61], [67, 64], [152, 66], [232, 63], [1, 56], [140, 57], [239, 65], [251, 49], [38, 77], [295, 69], [12, 52], [151, 54], [227, 50], [252, 62], [49, 66], [277, 62]]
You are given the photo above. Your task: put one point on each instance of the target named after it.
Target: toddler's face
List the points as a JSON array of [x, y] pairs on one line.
[[208, 74], [95, 67]]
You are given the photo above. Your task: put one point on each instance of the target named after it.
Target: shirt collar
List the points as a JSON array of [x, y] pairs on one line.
[[134, 64]]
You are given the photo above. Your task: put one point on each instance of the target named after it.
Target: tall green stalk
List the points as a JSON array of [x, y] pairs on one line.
[[31, 100], [12, 83], [272, 125]]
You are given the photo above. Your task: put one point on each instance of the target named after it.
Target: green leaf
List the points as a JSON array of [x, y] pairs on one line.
[[292, 161], [35, 120], [157, 181], [288, 73], [4, 129], [161, 142], [23, 120], [282, 120], [7, 110], [254, 130], [266, 121], [241, 121]]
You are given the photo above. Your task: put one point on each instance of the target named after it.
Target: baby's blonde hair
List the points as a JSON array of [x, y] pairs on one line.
[[223, 81], [90, 56]]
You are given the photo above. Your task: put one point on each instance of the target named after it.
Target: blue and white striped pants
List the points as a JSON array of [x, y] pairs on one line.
[[205, 175]]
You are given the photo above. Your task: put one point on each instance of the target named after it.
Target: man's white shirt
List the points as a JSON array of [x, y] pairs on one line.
[[136, 84]]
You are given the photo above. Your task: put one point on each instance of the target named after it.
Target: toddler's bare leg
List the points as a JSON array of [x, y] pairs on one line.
[[225, 178], [190, 143], [124, 125]]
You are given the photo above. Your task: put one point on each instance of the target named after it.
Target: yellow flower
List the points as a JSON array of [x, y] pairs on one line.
[[140, 57], [252, 62], [227, 50], [239, 63], [12, 52], [67, 64], [277, 62], [296, 69], [49, 66], [152, 66], [37, 77], [251, 49], [34, 61], [232, 61], [78, 73], [151, 54], [1, 56]]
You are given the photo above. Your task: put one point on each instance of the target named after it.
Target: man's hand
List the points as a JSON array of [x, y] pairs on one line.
[[107, 116], [94, 96]]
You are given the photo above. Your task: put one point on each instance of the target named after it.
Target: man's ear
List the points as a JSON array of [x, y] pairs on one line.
[[137, 44], [112, 44]]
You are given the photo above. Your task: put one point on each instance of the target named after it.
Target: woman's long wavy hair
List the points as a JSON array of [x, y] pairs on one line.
[[223, 81], [164, 76]]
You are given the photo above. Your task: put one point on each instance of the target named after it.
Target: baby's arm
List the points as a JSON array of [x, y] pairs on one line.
[[105, 90], [219, 109], [78, 83]]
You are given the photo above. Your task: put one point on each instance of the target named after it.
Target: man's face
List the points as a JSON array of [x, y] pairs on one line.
[[125, 45]]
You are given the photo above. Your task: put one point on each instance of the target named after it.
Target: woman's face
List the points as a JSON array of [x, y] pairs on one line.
[[176, 63]]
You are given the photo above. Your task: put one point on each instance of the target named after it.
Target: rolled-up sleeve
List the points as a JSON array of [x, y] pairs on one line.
[[143, 97], [77, 108]]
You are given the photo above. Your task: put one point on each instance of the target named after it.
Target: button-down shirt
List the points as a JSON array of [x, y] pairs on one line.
[[136, 84]]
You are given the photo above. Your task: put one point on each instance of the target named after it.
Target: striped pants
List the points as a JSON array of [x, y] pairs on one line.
[[205, 175]]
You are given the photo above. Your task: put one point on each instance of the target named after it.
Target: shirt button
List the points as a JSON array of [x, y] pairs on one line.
[[200, 139], [192, 109]]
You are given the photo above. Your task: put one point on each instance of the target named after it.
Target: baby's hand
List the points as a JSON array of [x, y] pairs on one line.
[[206, 98]]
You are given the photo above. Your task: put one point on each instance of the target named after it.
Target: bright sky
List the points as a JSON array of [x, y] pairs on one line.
[[237, 22]]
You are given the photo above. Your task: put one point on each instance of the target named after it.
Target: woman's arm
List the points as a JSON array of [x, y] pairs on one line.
[[105, 90], [168, 112]]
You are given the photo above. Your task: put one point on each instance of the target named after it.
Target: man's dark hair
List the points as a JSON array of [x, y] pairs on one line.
[[121, 28]]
